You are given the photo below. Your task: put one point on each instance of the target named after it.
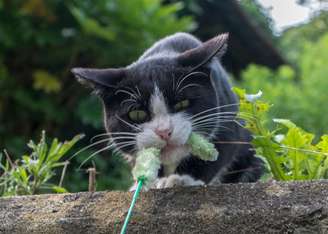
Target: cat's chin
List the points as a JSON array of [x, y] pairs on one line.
[[174, 153]]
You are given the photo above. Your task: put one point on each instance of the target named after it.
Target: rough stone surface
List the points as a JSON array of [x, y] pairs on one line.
[[298, 207]]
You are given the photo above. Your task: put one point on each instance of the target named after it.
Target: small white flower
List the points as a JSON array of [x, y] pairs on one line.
[[34, 161], [279, 137], [253, 97]]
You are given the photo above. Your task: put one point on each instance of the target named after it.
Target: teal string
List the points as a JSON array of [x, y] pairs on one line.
[[135, 197]]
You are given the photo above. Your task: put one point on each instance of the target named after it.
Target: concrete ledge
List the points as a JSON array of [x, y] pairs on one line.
[[298, 207]]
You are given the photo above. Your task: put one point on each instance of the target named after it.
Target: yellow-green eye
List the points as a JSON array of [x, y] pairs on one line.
[[181, 105], [137, 115]]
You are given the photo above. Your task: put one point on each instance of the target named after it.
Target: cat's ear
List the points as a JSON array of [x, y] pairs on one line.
[[99, 78], [215, 47]]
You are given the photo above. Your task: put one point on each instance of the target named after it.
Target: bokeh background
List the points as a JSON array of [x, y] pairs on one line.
[[40, 40]]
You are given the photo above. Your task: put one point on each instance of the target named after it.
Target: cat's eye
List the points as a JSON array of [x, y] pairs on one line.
[[137, 115], [182, 105]]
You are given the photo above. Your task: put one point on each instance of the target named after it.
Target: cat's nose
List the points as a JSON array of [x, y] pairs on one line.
[[164, 134]]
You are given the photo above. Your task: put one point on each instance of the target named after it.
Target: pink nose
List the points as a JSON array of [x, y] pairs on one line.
[[165, 134]]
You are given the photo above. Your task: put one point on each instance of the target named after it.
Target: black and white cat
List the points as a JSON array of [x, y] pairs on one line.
[[177, 86]]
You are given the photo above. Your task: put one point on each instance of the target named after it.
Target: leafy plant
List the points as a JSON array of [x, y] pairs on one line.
[[31, 174], [288, 150]]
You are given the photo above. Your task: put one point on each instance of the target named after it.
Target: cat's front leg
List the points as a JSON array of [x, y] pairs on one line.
[[175, 180]]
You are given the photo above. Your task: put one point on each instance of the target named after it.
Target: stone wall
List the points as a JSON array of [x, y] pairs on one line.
[[238, 208]]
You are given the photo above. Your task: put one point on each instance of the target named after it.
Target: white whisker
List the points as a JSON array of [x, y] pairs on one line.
[[126, 92], [189, 85], [128, 100], [127, 123], [112, 133], [187, 76], [222, 114], [88, 147], [138, 91], [101, 150], [214, 108]]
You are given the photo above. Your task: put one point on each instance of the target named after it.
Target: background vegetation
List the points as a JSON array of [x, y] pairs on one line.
[[40, 40]]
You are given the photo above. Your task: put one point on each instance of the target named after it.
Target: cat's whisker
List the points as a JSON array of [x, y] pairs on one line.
[[207, 128], [112, 133], [212, 116], [123, 133], [127, 123], [128, 100], [219, 125], [187, 76], [215, 118], [133, 105], [99, 151], [224, 127], [188, 86], [88, 147], [227, 114], [98, 136], [118, 149], [214, 108], [113, 139], [138, 91], [133, 91], [126, 92]]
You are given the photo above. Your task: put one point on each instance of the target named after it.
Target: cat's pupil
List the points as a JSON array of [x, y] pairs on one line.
[[182, 105], [138, 115]]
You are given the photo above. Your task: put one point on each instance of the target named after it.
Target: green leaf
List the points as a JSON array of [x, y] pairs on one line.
[[58, 189], [323, 144], [285, 122], [45, 81]]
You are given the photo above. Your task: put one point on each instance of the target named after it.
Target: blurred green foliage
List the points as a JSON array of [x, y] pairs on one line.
[[294, 39], [300, 96], [41, 40]]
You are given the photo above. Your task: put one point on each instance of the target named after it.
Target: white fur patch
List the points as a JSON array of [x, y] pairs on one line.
[[175, 181], [180, 127], [157, 103]]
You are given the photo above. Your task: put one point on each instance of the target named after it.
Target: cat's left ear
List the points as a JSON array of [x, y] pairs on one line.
[[215, 47], [99, 78]]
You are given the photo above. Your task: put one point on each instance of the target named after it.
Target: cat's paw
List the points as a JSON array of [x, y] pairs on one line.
[[176, 181]]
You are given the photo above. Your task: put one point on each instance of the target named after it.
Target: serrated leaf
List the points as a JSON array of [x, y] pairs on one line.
[[323, 144], [285, 122]]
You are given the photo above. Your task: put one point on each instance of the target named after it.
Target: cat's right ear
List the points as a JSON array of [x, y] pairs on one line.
[[215, 47], [99, 78]]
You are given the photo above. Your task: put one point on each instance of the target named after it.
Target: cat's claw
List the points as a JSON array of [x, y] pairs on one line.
[[176, 181]]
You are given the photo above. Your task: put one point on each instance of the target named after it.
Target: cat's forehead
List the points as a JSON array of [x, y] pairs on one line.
[[145, 76]]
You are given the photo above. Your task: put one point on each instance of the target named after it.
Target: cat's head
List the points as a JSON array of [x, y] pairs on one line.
[[159, 100]]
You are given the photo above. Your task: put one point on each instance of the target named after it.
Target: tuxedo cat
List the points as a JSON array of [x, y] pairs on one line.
[[177, 86]]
